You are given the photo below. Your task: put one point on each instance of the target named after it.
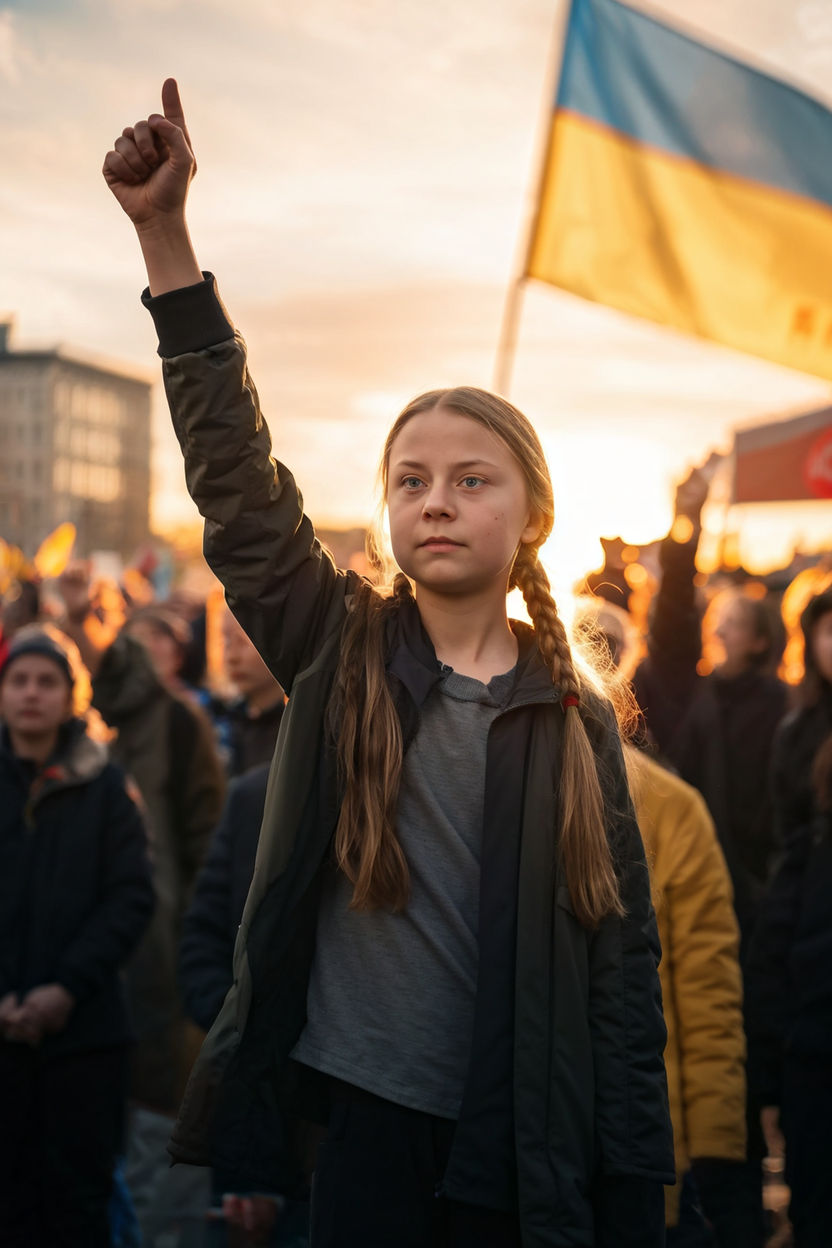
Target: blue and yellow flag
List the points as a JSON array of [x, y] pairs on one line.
[[683, 186]]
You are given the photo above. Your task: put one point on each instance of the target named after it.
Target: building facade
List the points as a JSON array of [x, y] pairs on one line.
[[74, 445]]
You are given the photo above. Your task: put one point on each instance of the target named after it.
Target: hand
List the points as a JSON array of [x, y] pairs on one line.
[[17, 1024], [74, 588], [48, 1008], [150, 169], [772, 1133], [254, 1215], [691, 494]]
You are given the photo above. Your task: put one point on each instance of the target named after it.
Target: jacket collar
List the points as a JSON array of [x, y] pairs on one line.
[[412, 660], [76, 760]]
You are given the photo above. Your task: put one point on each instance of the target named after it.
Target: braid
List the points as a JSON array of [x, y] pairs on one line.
[[530, 576], [584, 848]]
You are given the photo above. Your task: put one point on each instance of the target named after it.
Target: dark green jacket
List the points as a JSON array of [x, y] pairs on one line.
[[589, 1097]]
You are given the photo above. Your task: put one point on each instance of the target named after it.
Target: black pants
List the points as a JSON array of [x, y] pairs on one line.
[[806, 1115], [376, 1180], [62, 1122]]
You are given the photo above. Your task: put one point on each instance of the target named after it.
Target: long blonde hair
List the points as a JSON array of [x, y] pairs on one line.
[[370, 748]]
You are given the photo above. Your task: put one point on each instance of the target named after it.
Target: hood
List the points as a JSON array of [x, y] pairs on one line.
[[125, 682]]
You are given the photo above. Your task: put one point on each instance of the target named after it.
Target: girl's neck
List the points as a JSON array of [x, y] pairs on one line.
[[472, 636]]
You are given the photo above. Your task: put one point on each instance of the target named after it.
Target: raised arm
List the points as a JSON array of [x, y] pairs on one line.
[[284, 590]]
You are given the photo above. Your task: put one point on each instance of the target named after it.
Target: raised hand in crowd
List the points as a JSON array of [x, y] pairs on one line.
[[149, 171]]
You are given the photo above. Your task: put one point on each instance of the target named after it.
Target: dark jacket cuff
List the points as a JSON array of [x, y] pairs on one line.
[[189, 319]]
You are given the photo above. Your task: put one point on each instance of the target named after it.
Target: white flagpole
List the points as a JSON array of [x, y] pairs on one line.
[[512, 308]]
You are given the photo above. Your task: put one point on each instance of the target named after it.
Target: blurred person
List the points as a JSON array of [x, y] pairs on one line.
[[254, 717], [724, 746], [167, 746], [93, 613], [666, 679], [789, 977], [699, 973], [808, 728], [75, 898], [166, 636], [206, 972]]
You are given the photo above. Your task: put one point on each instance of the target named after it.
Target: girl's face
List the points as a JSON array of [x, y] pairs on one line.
[[822, 646], [735, 631], [457, 503]]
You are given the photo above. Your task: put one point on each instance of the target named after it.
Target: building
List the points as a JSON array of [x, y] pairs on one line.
[[74, 445]]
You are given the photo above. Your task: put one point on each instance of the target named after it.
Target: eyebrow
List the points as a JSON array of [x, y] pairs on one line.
[[460, 467]]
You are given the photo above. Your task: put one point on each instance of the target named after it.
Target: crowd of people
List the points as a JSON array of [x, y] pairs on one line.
[[371, 948], [134, 791]]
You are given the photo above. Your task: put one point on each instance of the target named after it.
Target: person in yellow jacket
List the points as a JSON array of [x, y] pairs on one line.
[[700, 979]]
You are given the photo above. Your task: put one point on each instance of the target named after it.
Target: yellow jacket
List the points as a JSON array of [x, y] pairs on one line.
[[699, 972]]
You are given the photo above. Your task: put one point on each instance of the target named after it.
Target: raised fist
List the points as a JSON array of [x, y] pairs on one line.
[[151, 165]]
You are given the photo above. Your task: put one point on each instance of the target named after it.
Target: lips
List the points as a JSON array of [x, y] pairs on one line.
[[439, 543]]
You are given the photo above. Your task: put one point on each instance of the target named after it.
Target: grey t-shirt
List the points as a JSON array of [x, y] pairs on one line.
[[390, 1004]]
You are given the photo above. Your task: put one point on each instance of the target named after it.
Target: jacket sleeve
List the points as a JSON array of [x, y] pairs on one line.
[[207, 949], [701, 954], [115, 926], [281, 585], [674, 641], [627, 1026]]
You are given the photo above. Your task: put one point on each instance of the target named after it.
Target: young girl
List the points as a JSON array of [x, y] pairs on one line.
[[449, 942]]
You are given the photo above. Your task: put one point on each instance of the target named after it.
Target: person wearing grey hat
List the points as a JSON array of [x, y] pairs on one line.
[[75, 896]]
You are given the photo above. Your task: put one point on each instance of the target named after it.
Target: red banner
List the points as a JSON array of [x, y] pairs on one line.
[[785, 461]]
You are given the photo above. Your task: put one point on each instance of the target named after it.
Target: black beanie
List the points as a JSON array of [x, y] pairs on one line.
[[43, 644]]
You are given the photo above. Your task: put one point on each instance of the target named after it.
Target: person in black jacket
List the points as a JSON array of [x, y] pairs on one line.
[[808, 728], [75, 897], [788, 981]]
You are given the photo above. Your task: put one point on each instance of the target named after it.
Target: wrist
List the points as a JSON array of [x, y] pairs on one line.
[[168, 253]]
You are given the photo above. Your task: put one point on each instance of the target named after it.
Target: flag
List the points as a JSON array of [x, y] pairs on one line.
[[53, 553], [784, 460], [684, 186]]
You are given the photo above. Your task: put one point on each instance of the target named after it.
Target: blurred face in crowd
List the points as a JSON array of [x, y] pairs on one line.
[[735, 631], [245, 669], [822, 646], [165, 652], [35, 698]]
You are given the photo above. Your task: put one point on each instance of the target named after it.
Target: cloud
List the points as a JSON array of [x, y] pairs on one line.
[[10, 49]]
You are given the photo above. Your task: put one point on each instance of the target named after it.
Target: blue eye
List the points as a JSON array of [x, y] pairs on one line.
[[411, 483], [471, 482]]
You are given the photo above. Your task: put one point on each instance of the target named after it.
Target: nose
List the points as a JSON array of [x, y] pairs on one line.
[[438, 502]]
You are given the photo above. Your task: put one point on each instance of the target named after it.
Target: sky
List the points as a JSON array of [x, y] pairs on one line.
[[365, 173]]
